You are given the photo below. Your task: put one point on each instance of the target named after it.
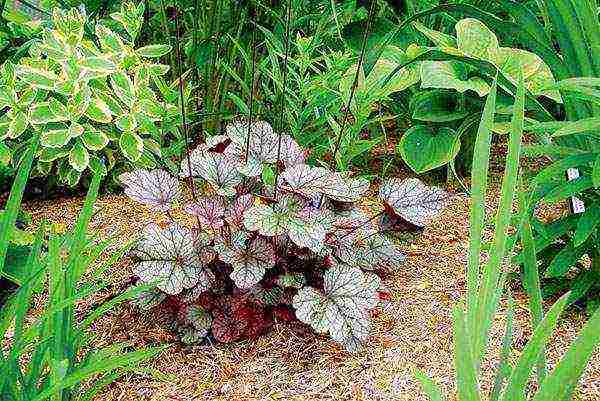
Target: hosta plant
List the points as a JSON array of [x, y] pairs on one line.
[[88, 90], [454, 76], [253, 246]]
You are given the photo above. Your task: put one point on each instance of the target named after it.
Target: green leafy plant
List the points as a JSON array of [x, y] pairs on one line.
[[60, 358], [486, 285], [258, 247], [90, 98], [453, 77]]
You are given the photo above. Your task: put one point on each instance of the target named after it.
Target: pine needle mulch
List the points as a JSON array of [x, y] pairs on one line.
[[414, 331]]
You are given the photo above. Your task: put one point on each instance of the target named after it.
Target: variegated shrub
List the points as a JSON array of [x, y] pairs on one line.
[[250, 248], [87, 91]]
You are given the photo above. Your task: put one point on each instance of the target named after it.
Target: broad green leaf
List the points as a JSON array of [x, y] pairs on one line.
[[437, 106], [596, 172], [79, 158], [123, 87], [76, 130], [131, 145], [475, 39], [50, 154], [18, 125], [79, 102], [55, 138], [587, 224], [153, 51], [99, 65], [110, 42], [438, 38], [424, 148], [450, 75], [98, 111], [567, 257], [94, 139], [38, 78], [126, 123], [5, 154], [48, 112], [7, 96]]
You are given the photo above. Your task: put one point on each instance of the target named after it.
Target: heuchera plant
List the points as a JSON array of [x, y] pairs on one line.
[[255, 248], [90, 96]]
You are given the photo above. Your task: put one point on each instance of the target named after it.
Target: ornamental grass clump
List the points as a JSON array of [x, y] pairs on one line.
[[260, 246]]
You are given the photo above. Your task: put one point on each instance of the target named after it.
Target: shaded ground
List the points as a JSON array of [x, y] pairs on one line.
[[292, 363]]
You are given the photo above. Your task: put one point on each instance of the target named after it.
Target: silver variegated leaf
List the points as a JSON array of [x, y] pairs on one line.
[[234, 214], [169, 260], [219, 171], [412, 200], [305, 227], [306, 180], [310, 181], [342, 308], [291, 153], [376, 251], [209, 211], [249, 262], [262, 141], [149, 299], [156, 188]]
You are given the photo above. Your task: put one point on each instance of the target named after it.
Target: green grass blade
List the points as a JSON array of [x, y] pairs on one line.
[[515, 389], [560, 383], [504, 369], [9, 217], [466, 370], [531, 281], [429, 386], [479, 176], [487, 301], [97, 367]]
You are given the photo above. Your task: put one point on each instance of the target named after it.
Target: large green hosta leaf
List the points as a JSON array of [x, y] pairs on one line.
[[476, 41], [424, 148], [342, 308], [168, 259], [450, 75], [250, 261]]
